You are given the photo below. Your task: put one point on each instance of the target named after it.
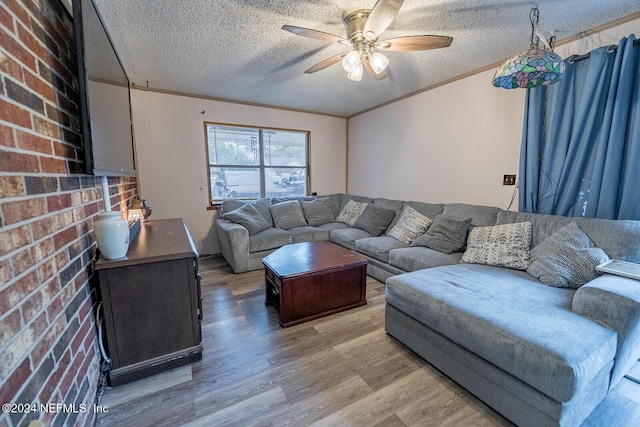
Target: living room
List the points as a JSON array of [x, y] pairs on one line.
[[454, 142]]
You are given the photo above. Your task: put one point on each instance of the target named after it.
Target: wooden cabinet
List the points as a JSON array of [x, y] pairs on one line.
[[151, 301]]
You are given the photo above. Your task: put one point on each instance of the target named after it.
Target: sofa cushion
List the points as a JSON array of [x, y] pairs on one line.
[[347, 236], [332, 226], [378, 247], [374, 220], [419, 257], [249, 217], [567, 258], [270, 238], [511, 320], [261, 204], [481, 216], [500, 245], [618, 238], [445, 234], [350, 212], [410, 225], [318, 211], [430, 210], [288, 215], [308, 234]]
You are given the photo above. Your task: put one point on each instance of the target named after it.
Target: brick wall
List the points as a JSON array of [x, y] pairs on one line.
[[48, 346]]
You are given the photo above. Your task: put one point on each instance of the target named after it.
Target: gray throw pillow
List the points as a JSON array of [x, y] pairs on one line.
[[351, 211], [410, 225], [567, 258], [505, 245], [374, 219], [249, 217], [446, 234], [318, 211], [288, 215]]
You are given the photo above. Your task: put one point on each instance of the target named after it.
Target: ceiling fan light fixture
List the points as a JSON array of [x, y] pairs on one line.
[[356, 75], [352, 61], [379, 62]]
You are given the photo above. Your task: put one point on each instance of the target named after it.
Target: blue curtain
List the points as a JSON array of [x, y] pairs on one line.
[[580, 153]]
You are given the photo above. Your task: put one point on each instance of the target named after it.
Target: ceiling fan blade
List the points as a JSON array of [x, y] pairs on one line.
[[326, 63], [408, 43], [315, 34], [369, 68], [381, 16]]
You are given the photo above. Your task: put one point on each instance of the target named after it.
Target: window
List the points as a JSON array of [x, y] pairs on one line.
[[249, 163]]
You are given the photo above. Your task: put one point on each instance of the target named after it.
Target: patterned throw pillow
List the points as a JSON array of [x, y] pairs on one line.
[[410, 225], [566, 259], [288, 215], [504, 245], [446, 234], [351, 211]]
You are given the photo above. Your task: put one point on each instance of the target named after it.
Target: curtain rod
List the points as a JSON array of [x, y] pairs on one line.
[[612, 48]]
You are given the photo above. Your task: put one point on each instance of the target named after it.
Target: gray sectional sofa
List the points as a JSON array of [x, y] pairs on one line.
[[539, 354]]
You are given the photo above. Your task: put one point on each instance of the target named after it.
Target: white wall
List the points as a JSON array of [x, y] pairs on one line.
[[171, 159], [450, 144]]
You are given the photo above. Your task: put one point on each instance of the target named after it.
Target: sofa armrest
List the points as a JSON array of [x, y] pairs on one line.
[[234, 244], [615, 302]]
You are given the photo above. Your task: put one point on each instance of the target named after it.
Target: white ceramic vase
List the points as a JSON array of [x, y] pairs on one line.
[[112, 234]]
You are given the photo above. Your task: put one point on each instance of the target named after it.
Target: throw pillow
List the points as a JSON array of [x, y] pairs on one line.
[[446, 234], [318, 211], [567, 258], [288, 215], [351, 211], [374, 219], [249, 217], [504, 245], [410, 225]]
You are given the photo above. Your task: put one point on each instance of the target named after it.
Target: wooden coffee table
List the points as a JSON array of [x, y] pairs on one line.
[[305, 281]]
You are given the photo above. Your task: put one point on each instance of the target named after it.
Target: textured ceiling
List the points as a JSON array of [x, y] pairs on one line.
[[236, 49]]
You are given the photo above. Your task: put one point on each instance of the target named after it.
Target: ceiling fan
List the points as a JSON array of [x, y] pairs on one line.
[[363, 28]]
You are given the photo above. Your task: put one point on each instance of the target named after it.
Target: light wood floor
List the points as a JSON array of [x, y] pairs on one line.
[[341, 370]]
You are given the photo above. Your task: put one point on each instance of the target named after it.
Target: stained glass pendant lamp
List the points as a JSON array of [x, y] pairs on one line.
[[536, 67]]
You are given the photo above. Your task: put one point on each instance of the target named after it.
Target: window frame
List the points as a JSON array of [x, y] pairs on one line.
[[214, 203]]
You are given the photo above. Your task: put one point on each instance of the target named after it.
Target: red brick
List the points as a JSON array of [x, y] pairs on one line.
[[32, 255], [89, 360], [11, 385], [32, 306], [65, 237], [16, 292], [19, 347], [67, 378], [47, 342], [40, 87], [11, 186], [6, 271], [64, 150], [31, 42], [9, 327], [58, 116], [31, 142], [18, 162], [58, 202], [62, 258], [6, 136], [14, 114], [24, 209], [16, 50], [18, 10], [46, 127], [47, 270], [51, 385], [76, 342], [10, 240], [5, 18], [53, 165]]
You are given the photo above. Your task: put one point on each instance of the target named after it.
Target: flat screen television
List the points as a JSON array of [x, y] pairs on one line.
[[105, 101]]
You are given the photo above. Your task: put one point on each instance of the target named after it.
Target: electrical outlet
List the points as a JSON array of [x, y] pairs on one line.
[[509, 180]]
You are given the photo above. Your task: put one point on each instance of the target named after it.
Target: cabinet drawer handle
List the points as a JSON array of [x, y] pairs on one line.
[[275, 291]]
